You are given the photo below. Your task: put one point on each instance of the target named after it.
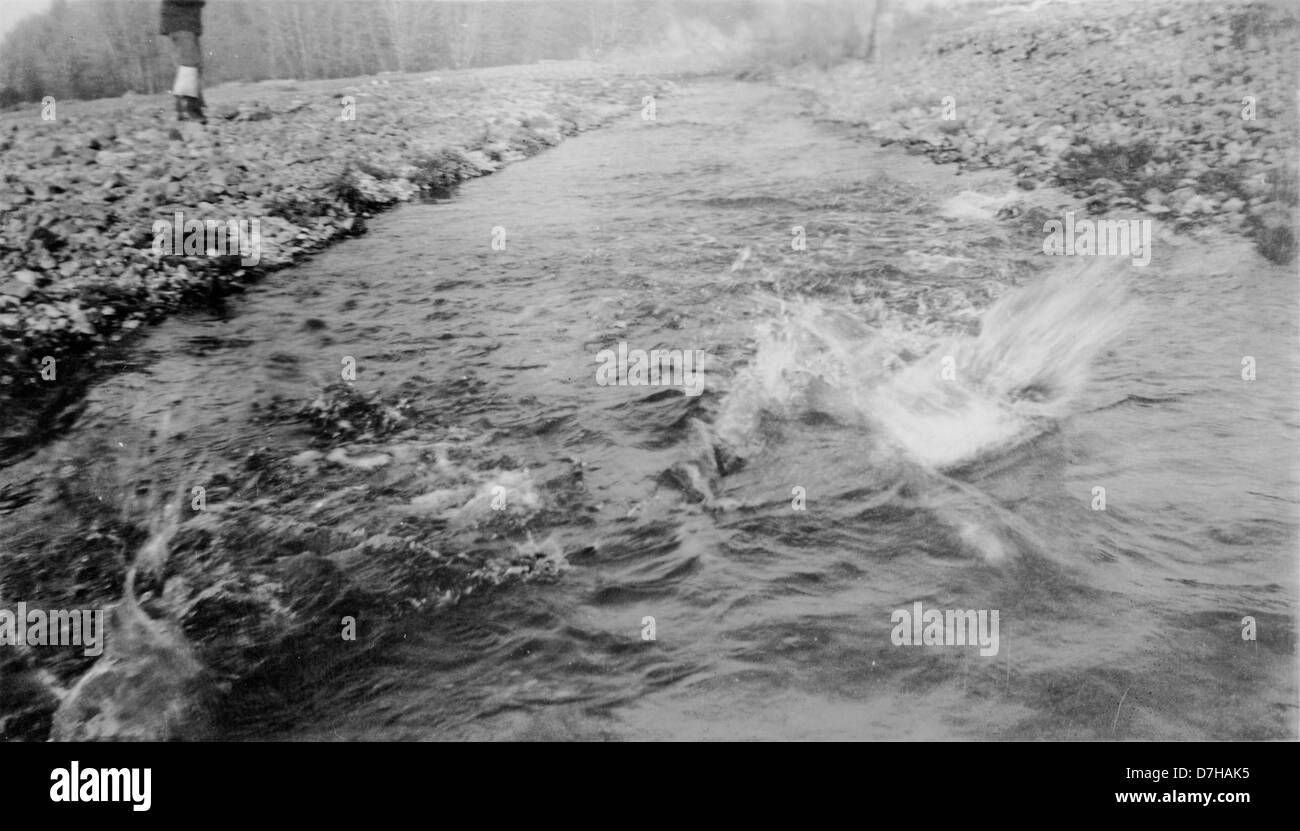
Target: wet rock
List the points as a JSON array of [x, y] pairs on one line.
[[1277, 244], [688, 479], [341, 411], [16, 288]]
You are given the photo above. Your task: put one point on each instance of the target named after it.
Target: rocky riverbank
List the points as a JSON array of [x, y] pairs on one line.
[[1182, 113]]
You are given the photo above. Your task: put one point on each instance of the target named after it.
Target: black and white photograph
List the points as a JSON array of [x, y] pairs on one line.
[[650, 371]]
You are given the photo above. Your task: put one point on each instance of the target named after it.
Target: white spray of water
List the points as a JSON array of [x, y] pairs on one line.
[[1025, 370], [940, 402], [932, 403]]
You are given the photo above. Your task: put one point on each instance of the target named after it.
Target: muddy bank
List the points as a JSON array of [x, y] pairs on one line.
[[1182, 113], [308, 162]]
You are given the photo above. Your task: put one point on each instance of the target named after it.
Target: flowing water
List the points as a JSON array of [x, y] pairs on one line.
[[914, 408]]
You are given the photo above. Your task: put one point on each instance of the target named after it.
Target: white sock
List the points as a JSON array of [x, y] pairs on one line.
[[187, 81]]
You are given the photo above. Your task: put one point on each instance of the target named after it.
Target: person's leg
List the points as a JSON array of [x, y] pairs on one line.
[[198, 62], [187, 49], [189, 68]]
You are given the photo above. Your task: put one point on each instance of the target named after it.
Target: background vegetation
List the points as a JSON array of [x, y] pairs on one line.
[[100, 48]]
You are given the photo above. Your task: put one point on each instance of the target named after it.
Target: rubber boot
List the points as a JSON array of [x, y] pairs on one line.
[[195, 109]]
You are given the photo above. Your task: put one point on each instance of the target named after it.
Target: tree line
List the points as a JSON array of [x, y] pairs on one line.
[[101, 48]]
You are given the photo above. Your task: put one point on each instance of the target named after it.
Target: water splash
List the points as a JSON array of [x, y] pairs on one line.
[[940, 401], [976, 396], [149, 684]]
